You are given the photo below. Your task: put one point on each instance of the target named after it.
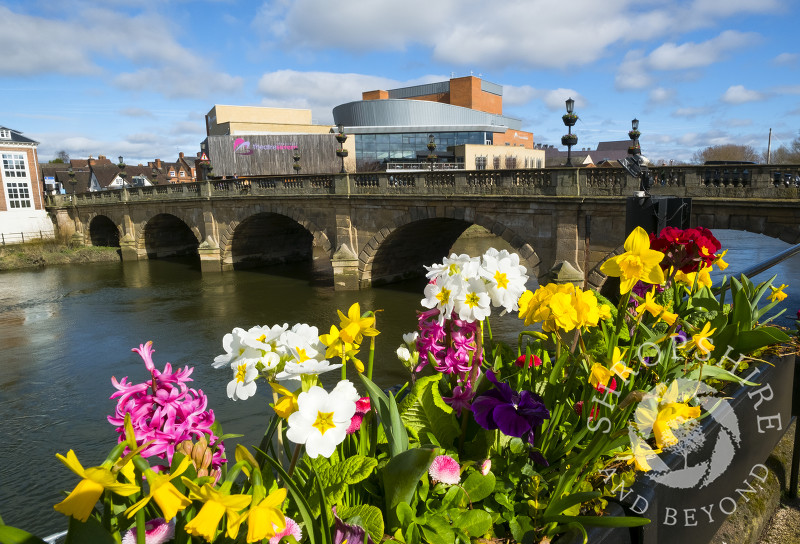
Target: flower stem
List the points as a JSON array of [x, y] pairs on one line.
[[295, 457]]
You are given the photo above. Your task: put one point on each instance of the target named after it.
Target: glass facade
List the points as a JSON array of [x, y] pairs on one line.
[[411, 146]]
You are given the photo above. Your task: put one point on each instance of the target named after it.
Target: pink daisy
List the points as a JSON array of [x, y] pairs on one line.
[[291, 529], [445, 469], [156, 531]]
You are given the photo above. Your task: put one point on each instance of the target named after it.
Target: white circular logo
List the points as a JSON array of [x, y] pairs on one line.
[[673, 414]]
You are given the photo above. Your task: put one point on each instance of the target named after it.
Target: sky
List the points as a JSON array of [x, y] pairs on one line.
[[136, 78]]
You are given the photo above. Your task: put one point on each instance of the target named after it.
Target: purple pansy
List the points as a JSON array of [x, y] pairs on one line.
[[515, 413]]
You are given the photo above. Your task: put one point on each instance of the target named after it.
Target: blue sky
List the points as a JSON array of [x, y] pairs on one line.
[[135, 78]]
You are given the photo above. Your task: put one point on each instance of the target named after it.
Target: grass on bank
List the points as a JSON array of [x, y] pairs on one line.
[[39, 253]]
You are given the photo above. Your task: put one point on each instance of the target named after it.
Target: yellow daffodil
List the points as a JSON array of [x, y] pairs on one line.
[[638, 263], [638, 454], [599, 375], [703, 278], [81, 501], [167, 497], [265, 518], [656, 310], [701, 341], [215, 505], [605, 312], [777, 293], [670, 416], [563, 311], [354, 327], [286, 405], [618, 367], [564, 307], [720, 262]]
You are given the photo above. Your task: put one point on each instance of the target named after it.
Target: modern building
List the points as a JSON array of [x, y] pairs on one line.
[[396, 126], [22, 214], [253, 141]]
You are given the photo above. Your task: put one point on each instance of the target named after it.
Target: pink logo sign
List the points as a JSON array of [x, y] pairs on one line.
[[242, 147]]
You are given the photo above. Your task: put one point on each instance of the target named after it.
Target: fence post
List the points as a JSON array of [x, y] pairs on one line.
[[22, 235]]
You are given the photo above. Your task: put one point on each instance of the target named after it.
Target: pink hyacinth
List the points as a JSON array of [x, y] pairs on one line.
[[452, 344], [156, 531], [291, 529], [362, 407], [445, 469], [164, 410]]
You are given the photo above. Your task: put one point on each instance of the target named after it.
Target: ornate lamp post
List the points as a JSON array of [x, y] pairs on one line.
[[122, 173], [569, 139], [633, 134], [72, 180], [431, 148], [296, 159], [341, 137]]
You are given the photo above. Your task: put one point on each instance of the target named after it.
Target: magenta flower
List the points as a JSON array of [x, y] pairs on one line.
[[445, 469], [515, 413], [486, 466], [291, 529], [164, 410], [156, 531], [362, 407], [461, 399]]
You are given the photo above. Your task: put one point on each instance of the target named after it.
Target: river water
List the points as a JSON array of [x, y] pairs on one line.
[[64, 331]]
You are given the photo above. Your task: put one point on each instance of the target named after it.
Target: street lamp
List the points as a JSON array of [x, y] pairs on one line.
[[431, 148], [72, 180], [633, 134], [122, 173], [296, 159], [569, 139], [341, 137]]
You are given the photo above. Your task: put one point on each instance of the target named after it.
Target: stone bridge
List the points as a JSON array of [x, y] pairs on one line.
[[369, 229]]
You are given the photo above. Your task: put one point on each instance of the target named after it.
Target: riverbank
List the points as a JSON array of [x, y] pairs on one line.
[[50, 252]]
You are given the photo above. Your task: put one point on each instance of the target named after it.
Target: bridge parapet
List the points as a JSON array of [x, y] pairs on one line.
[[709, 181]]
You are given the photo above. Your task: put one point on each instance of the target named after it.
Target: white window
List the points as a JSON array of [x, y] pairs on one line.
[[182, 174], [5, 134], [15, 174], [172, 173]]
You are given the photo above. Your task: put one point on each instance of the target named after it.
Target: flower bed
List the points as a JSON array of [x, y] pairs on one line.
[[484, 440]]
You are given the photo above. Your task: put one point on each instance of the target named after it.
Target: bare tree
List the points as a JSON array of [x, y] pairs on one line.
[[787, 154], [726, 152], [62, 157]]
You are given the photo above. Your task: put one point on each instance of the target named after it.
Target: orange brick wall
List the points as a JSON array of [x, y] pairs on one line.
[[374, 95], [514, 138], [466, 92], [34, 177]]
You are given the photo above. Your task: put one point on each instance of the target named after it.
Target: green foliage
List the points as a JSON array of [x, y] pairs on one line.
[[365, 515], [425, 413]]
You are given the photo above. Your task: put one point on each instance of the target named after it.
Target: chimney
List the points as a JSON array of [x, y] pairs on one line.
[[158, 164], [101, 157], [91, 161], [180, 154]]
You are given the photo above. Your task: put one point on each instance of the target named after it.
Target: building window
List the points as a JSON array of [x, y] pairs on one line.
[[18, 192], [5, 134], [480, 163], [496, 163], [182, 174], [538, 163], [172, 173], [511, 163]]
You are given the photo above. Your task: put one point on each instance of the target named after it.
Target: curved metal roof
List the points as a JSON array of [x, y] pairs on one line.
[[417, 116]]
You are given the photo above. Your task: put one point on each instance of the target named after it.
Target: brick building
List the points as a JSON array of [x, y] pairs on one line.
[[22, 214]]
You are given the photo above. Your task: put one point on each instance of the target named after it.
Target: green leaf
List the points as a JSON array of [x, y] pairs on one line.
[[364, 515], [400, 478], [424, 411], [336, 478], [715, 372], [561, 504], [473, 522], [405, 515], [12, 535], [599, 521], [91, 531], [392, 425], [478, 486], [438, 532], [520, 526]]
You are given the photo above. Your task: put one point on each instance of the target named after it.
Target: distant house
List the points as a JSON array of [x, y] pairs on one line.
[[22, 213], [104, 177]]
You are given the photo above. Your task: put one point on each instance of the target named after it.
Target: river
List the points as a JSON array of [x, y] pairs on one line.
[[65, 330]]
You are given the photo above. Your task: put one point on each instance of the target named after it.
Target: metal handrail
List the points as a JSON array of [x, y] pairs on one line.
[[772, 261]]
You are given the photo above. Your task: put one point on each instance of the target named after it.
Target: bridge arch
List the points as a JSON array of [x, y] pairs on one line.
[[273, 237], [422, 237], [103, 231], [166, 235]]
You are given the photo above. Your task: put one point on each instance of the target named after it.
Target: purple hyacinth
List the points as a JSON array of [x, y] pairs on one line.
[[164, 410], [515, 413]]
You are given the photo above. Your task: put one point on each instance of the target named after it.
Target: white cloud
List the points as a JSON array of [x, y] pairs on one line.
[[671, 56], [786, 59], [691, 113], [75, 47], [553, 99], [660, 95], [321, 91], [738, 94], [136, 112], [632, 72]]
